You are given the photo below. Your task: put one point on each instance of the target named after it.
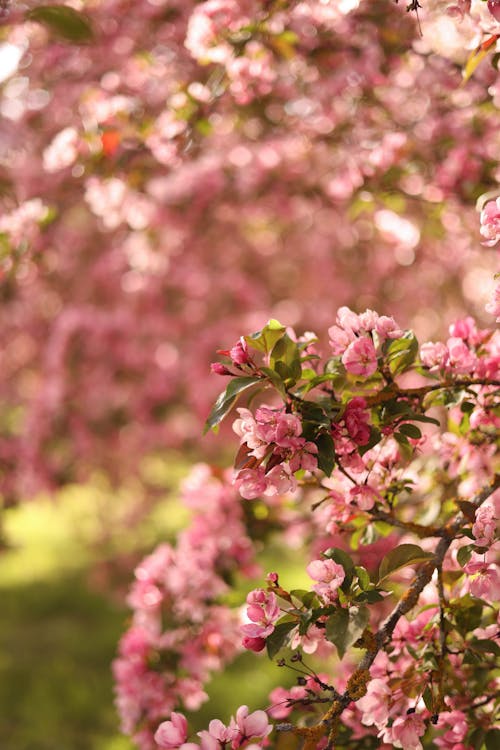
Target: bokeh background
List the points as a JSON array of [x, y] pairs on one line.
[[174, 174]]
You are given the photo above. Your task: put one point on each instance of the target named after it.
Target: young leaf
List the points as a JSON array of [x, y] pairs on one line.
[[226, 400], [344, 627], [400, 557], [63, 21], [265, 339], [285, 359], [363, 577], [401, 353], [278, 637]]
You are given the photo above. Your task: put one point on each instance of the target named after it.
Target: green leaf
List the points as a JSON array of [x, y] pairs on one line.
[[486, 646], [265, 339], [476, 739], [306, 597], [370, 597], [285, 359], [226, 400], [326, 453], [363, 577], [492, 739], [401, 353], [400, 557], [410, 430], [65, 22], [468, 612], [344, 627], [404, 445], [464, 554], [279, 637]]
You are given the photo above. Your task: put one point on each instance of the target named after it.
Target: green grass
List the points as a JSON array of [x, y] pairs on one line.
[[62, 580]]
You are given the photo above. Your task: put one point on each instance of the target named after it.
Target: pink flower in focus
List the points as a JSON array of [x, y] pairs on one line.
[[288, 427], [356, 421], [173, 733], [405, 732], [457, 727], [262, 611], [484, 581], [375, 704], [387, 328], [239, 352], [255, 724], [251, 483], [340, 339], [360, 357], [434, 355], [461, 359], [490, 223], [253, 644], [484, 527], [330, 576]]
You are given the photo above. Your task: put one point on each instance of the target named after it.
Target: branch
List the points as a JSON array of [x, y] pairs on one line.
[[357, 684], [422, 391]]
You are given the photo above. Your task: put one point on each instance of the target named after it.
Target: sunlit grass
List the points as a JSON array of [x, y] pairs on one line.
[[63, 577]]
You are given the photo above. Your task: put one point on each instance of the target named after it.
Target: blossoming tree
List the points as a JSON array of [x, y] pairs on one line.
[[381, 456], [178, 171]]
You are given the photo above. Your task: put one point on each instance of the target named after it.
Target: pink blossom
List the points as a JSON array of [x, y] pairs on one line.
[[256, 644], [460, 358], [330, 576], [434, 355], [280, 480], [360, 357], [250, 433], [375, 704], [262, 611], [340, 339], [255, 724], [490, 223], [171, 734], [405, 732], [356, 418], [288, 427], [363, 496], [280, 700], [484, 527], [251, 483], [456, 725], [221, 732], [484, 580], [239, 352], [348, 320], [387, 328]]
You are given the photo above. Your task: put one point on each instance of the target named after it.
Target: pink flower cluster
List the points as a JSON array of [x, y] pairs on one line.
[[357, 337], [468, 351], [242, 728], [177, 618], [262, 611], [330, 576], [273, 435]]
